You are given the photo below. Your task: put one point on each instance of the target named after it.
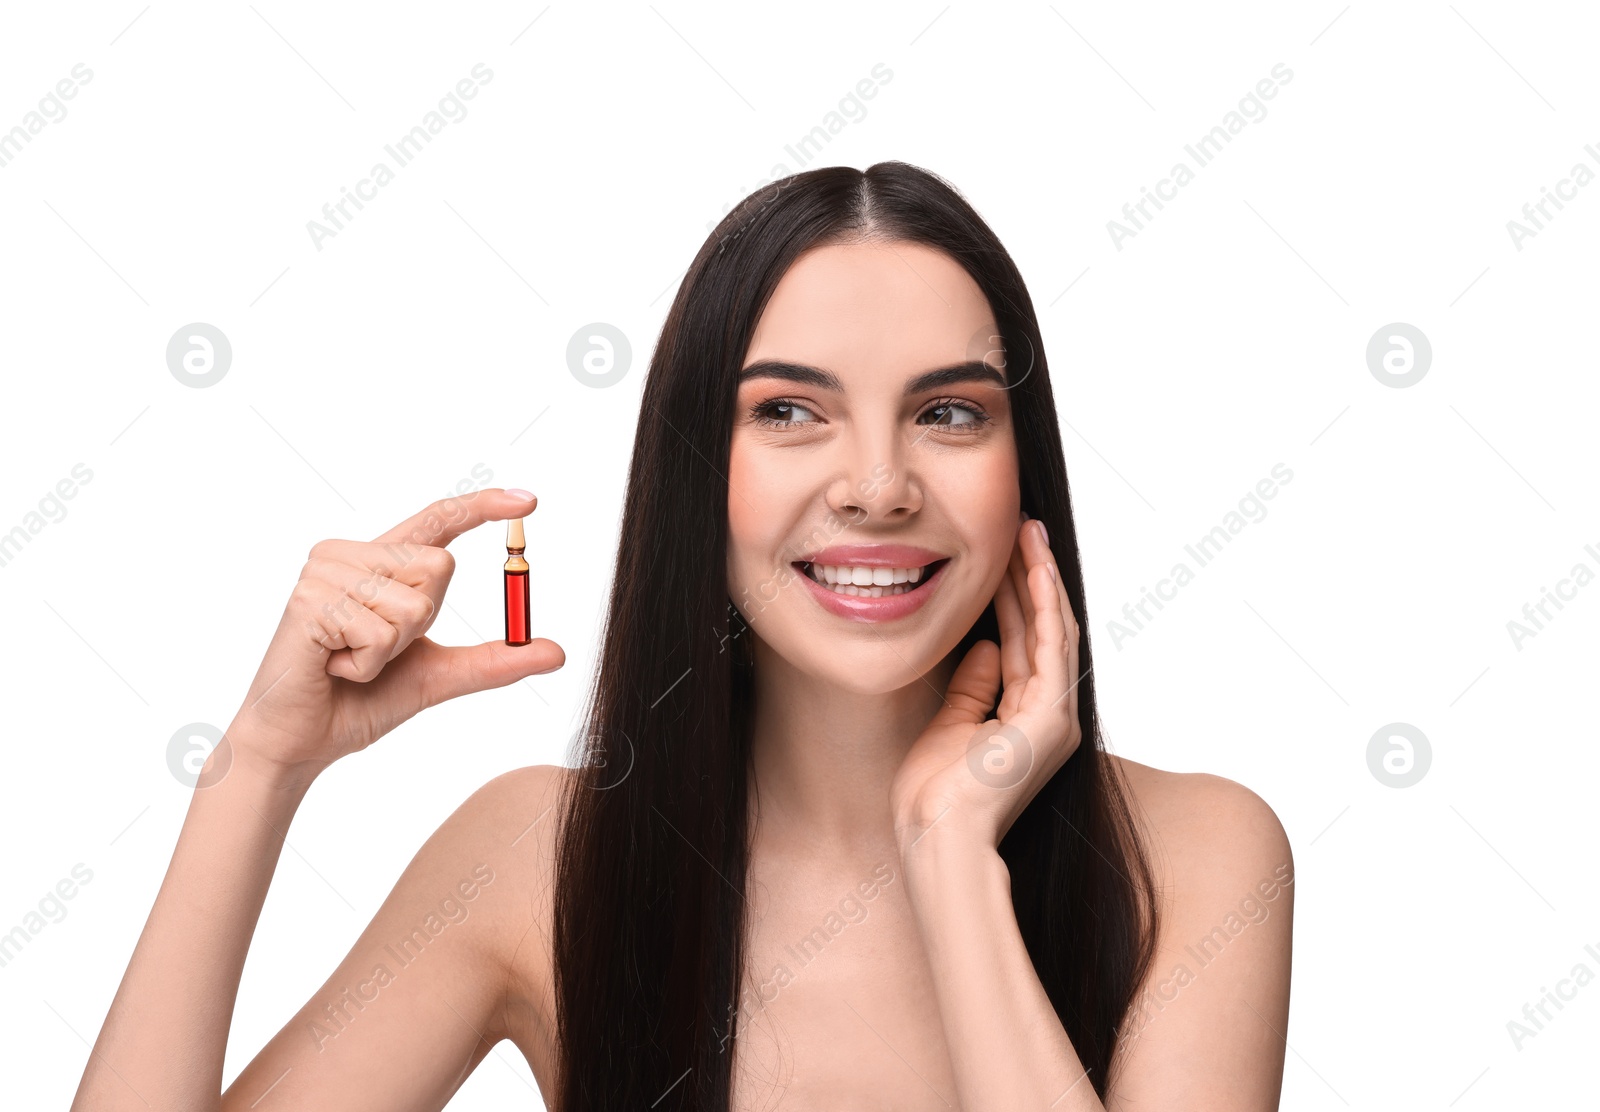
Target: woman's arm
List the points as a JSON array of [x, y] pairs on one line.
[[1211, 1019], [421, 997], [1007, 1048], [349, 662], [1196, 1036], [163, 1039], [414, 1006], [1222, 1045]]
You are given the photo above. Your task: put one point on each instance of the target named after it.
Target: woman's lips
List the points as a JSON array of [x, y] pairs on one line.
[[862, 608], [873, 556]]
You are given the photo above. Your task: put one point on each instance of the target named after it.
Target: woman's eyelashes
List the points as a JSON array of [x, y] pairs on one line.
[[761, 412], [947, 413], [951, 408]]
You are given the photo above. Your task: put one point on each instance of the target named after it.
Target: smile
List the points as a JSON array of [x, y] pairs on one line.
[[864, 582], [871, 593]]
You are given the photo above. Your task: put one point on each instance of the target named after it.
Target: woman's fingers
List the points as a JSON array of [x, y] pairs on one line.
[[1055, 626], [360, 612], [422, 566], [400, 580], [359, 641], [1050, 656], [972, 688], [436, 672], [414, 552], [446, 519], [409, 609], [1013, 651], [1019, 583], [427, 570]]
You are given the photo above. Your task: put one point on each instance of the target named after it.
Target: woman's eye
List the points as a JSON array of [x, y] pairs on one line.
[[780, 411], [950, 414], [954, 414]]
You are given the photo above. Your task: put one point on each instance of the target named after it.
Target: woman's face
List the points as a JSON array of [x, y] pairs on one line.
[[872, 440]]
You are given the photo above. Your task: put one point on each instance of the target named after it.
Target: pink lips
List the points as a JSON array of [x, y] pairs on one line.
[[863, 609]]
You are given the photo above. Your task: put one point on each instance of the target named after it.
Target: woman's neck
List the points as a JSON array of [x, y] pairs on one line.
[[822, 757]]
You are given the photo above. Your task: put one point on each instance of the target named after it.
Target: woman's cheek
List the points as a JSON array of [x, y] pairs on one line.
[[755, 527], [983, 484], [983, 497]]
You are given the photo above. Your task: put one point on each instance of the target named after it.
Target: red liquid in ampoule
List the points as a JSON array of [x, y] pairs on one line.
[[517, 617]]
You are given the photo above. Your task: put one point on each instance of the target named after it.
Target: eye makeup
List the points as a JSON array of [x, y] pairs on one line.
[[758, 413]]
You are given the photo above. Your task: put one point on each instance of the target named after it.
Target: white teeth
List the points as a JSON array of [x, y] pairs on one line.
[[868, 592], [865, 582]]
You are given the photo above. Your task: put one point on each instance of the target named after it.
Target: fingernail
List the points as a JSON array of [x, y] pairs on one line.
[[522, 494], [1044, 536]]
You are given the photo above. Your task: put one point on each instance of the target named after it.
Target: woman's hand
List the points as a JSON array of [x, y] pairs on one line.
[[349, 661], [972, 776]]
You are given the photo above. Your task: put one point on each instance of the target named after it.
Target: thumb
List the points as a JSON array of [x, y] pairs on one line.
[[974, 687], [441, 672]]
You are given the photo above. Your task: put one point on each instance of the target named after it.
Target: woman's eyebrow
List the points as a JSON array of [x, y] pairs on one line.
[[975, 370]]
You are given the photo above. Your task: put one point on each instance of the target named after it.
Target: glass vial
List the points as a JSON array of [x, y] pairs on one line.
[[518, 619]]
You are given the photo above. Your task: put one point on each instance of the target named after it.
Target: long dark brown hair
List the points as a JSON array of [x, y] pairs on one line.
[[649, 912]]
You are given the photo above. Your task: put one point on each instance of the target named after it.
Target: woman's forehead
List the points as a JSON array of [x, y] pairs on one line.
[[891, 307]]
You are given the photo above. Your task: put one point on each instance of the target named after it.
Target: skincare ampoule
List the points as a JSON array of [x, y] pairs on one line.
[[516, 569]]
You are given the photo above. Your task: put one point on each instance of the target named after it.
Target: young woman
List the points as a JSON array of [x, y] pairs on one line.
[[841, 832]]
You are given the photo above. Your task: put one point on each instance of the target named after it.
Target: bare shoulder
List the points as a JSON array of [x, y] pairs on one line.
[[506, 832], [514, 820], [514, 802], [1198, 822], [388, 1029], [516, 817], [1224, 875]]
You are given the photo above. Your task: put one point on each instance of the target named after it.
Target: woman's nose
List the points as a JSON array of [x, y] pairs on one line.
[[874, 486]]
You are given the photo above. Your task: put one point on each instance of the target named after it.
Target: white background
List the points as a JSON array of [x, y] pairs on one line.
[[430, 336]]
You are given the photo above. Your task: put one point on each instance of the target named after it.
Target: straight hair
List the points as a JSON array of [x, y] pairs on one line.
[[649, 908]]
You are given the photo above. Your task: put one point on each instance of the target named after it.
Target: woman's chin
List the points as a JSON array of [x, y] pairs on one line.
[[878, 670]]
